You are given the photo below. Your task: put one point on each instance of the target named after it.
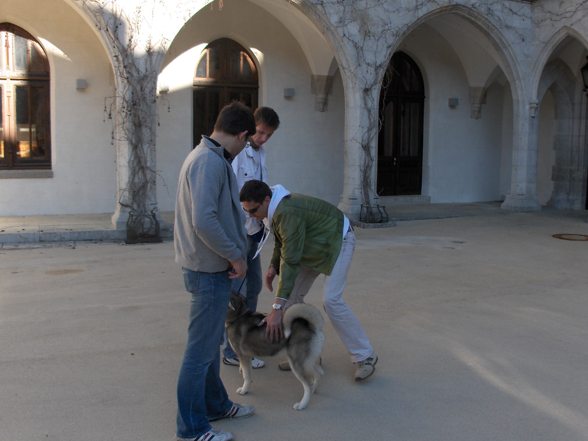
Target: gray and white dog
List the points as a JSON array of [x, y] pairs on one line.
[[303, 341]]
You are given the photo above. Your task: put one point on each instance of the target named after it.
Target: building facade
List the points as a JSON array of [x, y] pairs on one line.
[[381, 101]]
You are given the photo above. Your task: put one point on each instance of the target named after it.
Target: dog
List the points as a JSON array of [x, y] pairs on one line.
[[303, 341]]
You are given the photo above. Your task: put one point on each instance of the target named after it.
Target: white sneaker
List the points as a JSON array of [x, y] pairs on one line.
[[256, 363], [211, 435], [231, 361], [366, 368], [236, 411], [215, 435]]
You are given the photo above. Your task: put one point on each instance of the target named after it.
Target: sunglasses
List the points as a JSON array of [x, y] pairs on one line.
[[251, 210]]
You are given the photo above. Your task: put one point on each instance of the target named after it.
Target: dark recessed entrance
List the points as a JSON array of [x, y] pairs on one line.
[[400, 142]]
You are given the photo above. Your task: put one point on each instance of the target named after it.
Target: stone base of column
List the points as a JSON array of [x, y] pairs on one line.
[[350, 206], [520, 202], [120, 218]]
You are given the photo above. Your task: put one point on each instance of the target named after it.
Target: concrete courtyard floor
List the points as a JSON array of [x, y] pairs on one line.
[[480, 323]]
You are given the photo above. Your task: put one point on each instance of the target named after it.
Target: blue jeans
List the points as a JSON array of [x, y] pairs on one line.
[[253, 282], [201, 393]]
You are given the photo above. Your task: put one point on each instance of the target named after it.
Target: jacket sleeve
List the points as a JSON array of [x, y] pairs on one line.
[[277, 254], [264, 166], [290, 235]]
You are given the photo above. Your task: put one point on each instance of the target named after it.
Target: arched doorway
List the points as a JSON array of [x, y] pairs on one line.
[[225, 73], [25, 137], [400, 142]]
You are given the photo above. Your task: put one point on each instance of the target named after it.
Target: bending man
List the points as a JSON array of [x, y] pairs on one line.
[[311, 237]]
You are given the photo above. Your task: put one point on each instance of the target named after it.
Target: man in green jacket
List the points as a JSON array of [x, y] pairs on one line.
[[312, 237]]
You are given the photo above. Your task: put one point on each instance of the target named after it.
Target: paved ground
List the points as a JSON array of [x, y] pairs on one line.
[[480, 324]]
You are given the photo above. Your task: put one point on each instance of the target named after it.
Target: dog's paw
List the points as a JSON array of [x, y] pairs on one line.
[[299, 406], [242, 390]]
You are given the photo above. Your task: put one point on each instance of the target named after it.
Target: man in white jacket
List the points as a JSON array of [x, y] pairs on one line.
[[247, 165]]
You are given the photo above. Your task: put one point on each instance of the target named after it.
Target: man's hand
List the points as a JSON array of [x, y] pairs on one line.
[[238, 269], [273, 331], [269, 278]]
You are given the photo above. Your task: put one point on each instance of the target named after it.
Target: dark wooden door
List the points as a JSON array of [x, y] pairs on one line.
[[225, 73], [400, 143]]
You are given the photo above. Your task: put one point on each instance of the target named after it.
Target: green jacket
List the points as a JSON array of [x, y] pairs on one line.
[[308, 232]]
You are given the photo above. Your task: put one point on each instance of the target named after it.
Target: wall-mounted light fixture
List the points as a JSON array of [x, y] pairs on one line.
[[453, 102], [81, 84], [289, 93]]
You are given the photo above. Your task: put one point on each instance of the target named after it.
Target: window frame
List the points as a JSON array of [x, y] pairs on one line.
[[20, 152]]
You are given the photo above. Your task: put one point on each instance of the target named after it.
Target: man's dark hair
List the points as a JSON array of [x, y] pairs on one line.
[[235, 118], [267, 116], [254, 191]]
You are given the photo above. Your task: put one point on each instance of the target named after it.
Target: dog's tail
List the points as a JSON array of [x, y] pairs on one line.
[[303, 311]]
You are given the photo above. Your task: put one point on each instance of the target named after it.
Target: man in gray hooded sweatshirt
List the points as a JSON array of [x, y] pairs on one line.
[[211, 246]]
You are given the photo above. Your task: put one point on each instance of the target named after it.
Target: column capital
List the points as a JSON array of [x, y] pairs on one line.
[[320, 87]]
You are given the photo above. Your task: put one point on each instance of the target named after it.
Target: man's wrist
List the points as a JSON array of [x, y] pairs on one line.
[[278, 306]]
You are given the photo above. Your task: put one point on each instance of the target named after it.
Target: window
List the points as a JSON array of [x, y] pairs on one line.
[[25, 137], [225, 73]]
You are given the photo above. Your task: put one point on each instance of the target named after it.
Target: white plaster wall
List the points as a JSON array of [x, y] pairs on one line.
[[462, 156], [465, 159], [545, 151], [306, 153], [83, 159]]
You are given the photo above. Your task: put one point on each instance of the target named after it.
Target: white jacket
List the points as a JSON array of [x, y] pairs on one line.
[[248, 165]]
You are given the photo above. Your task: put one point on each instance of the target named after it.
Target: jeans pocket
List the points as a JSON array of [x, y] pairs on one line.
[[191, 280]]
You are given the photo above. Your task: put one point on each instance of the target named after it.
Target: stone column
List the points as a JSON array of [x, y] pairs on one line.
[[121, 213], [523, 186], [360, 154], [135, 134]]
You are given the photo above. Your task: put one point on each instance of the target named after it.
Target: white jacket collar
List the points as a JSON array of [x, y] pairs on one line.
[[250, 151], [279, 192]]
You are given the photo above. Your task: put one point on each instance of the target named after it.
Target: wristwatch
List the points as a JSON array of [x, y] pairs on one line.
[[277, 306]]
